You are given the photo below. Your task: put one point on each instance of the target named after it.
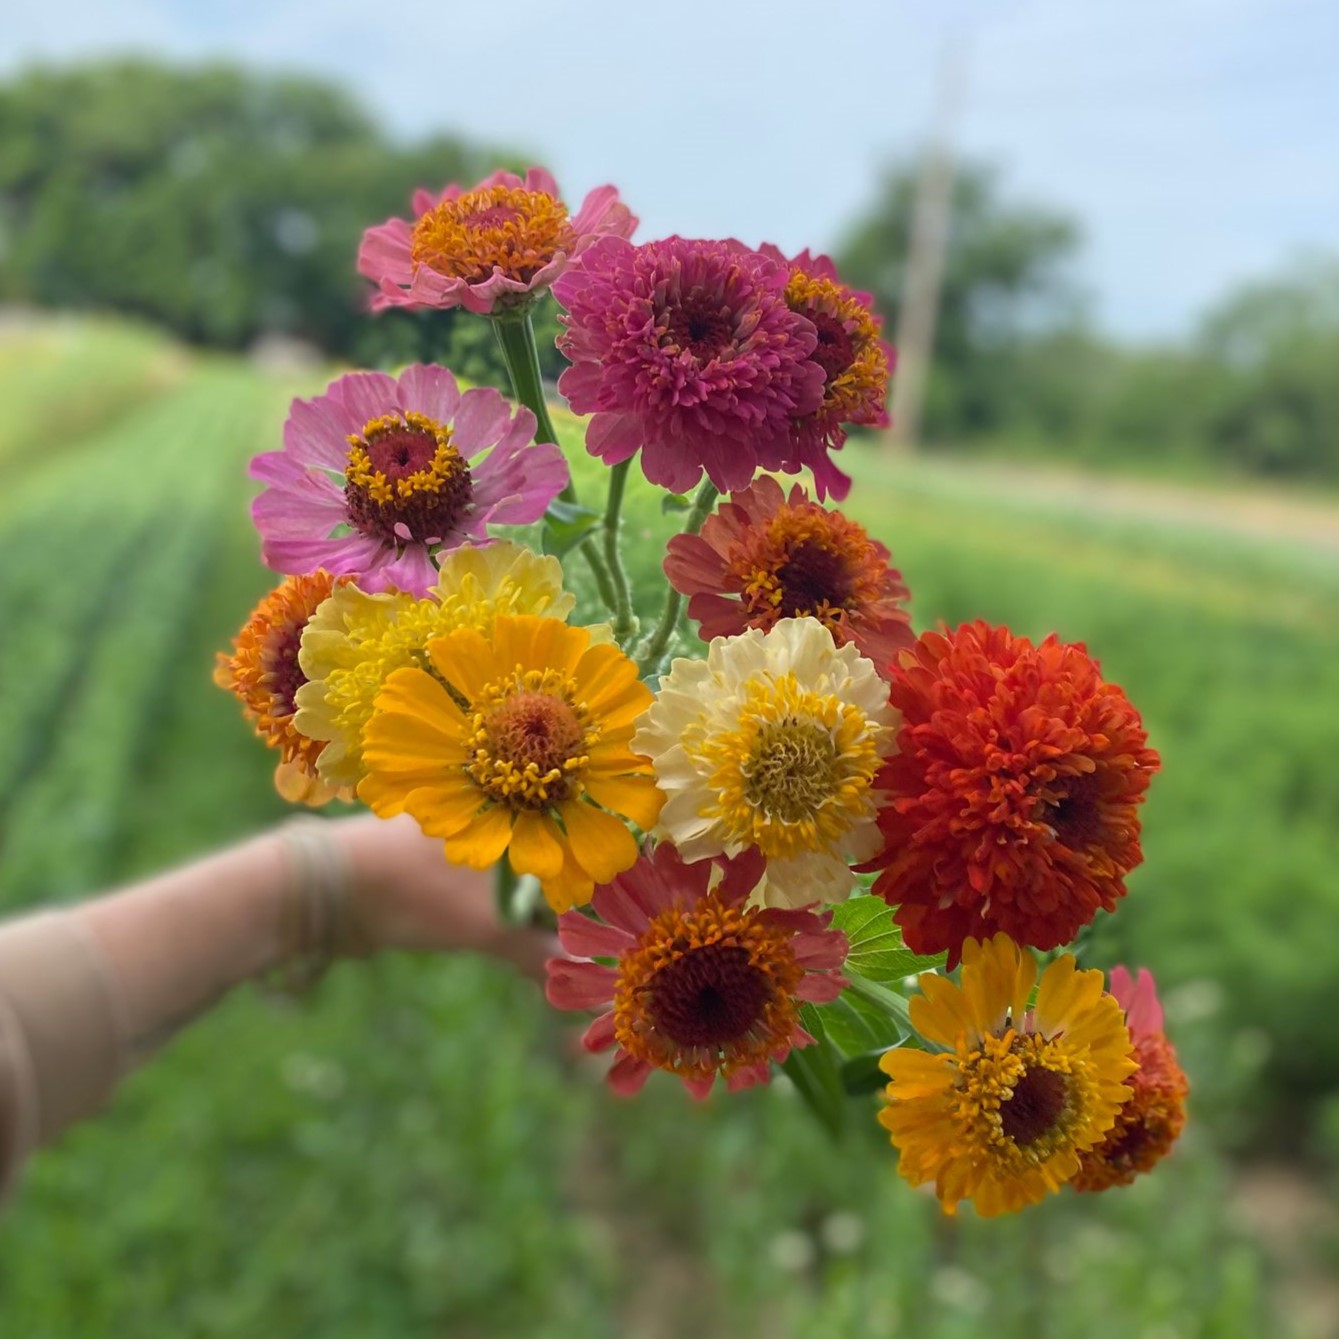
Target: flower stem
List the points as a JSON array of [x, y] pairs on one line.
[[625, 622], [652, 651], [516, 338]]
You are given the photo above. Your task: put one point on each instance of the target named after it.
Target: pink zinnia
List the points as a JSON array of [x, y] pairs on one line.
[[409, 479], [703, 984], [495, 246], [688, 350], [856, 361]]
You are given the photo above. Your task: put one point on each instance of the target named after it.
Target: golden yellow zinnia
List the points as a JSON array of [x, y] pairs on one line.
[[1001, 1116], [527, 752], [356, 640]]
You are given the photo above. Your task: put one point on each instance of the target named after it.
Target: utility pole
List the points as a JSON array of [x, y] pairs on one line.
[[931, 221]]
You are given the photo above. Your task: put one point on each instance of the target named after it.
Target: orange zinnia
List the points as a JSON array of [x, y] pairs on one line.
[[517, 743], [1014, 791]]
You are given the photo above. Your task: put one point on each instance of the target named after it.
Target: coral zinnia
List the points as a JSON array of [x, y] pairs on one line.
[[773, 742], [410, 481], [1014, 791], [498, 245], [762, 557], [355, 640], [687, 350], [1152, 1118], [264, 674], [856, 361], [1001, 1117], [702, 983], [526, 752]]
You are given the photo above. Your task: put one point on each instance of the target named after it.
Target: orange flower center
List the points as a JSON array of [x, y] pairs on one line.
[[405, 480], [809, 563], [495, 227], [708, 988], [849, 350], [530, 740]]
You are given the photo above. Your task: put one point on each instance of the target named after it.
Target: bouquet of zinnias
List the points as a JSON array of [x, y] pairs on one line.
[[700, 828]]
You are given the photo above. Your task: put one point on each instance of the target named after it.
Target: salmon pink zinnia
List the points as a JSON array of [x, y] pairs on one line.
[[377, 475], [687, 351], [702, 982], [498, 245]]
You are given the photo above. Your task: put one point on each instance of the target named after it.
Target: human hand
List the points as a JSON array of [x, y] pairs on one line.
[[405, 895]]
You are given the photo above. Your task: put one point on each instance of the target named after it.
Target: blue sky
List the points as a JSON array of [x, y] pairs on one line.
[[1196, 140]]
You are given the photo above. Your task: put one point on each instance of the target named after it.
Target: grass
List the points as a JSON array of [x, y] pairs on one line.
[[418, 1152]]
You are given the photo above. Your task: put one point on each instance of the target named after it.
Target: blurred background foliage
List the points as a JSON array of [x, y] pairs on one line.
[[419, 1151]]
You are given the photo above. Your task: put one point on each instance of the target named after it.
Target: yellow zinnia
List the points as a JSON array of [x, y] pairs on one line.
[[356, 640], [518, 742], [1001, 1116]]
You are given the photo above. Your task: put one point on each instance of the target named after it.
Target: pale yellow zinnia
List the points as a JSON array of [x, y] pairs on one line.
[[773, 741], [355, 641]]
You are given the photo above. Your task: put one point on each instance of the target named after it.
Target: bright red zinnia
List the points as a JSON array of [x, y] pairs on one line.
[[702, 983], [763, 556], [1014, 791], [687, 351], [1151, 1120]]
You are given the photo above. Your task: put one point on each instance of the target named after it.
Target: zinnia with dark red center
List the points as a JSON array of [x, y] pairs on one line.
[[263, 673], [687, 351], [703, 984], [763, 556], [1014, 791], [378, 475], [496, 246], [856, 361], [1152, 1118]]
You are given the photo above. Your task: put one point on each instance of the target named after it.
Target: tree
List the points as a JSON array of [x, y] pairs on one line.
[[1005, 279], [219, 203]]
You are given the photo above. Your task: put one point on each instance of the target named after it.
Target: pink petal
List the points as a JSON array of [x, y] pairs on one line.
[[430, 390], [579, 985], [627, 1075], [520, 491], [615, 438], [481, 418], [700, 1088], [363, 396], [819, 989], [316, 433], [355, 555], [385, 252], [600, 1035], [587, 938], [412, 570]]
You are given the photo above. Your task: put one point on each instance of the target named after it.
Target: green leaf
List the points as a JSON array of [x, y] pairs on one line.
[[566, 524], [855, 1026], [675, 502], [861, 1074], [814, 1072], [877, 951]]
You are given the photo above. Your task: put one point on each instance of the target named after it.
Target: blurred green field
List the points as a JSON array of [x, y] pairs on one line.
[[417, 1152]]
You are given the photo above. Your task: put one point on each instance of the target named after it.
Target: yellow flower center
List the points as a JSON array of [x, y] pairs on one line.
[[795, 774], [404, 479], [709, 988], [1023, 1098], [530, 739], [503, 227]]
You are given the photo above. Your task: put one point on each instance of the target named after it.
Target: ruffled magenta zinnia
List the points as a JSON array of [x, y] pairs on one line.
[[688, 351], [702, 983], [377, 474], [498, 245], [856, 361]]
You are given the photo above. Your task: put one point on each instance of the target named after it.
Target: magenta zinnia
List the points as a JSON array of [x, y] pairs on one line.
[[376, 475], [498, 245], [688, 351], [702, 983], [856, 364], [763, 556]]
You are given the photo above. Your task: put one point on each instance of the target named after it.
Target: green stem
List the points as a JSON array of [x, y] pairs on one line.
[[889, 1001], [516, 338], [625, 623], [504, 889], [653, 649]]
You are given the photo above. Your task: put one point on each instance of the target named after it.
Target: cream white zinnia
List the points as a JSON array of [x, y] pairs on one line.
[[773, 742]]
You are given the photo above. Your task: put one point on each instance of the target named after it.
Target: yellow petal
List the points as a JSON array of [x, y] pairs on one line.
[[465, 660], [535, 848], [537, 643], [601, 844], [572, 887], [445, 809], [482, 843], [635, 797]]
